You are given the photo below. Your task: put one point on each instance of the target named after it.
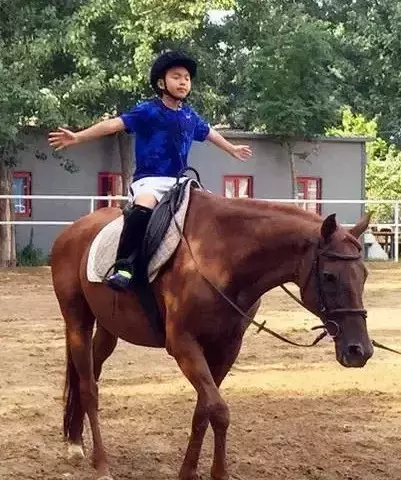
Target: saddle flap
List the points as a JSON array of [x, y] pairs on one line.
[[173, 203], [161, 240]]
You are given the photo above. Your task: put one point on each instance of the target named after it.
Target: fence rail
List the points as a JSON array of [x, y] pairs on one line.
[[394, 226]]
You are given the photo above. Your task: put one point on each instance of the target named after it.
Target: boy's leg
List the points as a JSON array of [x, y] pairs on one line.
[[131, 240]]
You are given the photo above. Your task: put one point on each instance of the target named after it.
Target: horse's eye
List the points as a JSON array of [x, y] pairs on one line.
[[329, 277]]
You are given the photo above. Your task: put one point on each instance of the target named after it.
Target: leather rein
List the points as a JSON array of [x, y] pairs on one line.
[[329, 325]]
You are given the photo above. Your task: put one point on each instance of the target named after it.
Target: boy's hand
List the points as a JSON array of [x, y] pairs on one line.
[[62, 138], [241, 152]]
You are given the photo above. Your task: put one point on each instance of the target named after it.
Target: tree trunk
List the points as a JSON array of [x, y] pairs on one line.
[[125, 149], [291, 158], [7, 233]]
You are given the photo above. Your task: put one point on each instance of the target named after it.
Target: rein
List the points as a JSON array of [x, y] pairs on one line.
[[260, 326], [325, 314]]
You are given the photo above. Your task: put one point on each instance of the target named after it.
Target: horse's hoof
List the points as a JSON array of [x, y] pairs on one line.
[[222, 476], [192, 476], [75, 453]]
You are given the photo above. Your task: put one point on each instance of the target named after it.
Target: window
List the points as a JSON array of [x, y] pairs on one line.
[[21, 185], [310, 188], [109, 184], [238, 186]]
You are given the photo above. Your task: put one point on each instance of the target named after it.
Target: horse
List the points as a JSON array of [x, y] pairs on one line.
[[234, 249]]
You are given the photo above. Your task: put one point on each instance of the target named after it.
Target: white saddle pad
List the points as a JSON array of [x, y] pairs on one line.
[[103, 251]]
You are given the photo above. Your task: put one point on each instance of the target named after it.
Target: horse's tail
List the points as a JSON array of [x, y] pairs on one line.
[[72, 400]]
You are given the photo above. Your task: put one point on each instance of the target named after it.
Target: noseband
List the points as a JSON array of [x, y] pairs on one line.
[[326, 314]]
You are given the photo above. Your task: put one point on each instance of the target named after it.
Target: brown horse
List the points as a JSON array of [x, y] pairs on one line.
[[245, 247]]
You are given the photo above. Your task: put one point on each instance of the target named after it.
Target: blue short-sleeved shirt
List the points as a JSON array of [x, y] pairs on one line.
[[163, 137]]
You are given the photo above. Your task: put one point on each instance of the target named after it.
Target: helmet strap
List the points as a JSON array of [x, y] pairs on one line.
[[167, 92]]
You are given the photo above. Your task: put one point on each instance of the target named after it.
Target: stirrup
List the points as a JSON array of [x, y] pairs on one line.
[[120, 265], [119, 280]]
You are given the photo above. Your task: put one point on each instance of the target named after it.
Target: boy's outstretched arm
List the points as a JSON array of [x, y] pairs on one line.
[[241, 152], [63, 138]]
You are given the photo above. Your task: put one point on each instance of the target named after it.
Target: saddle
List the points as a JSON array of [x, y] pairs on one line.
[[163, 217], [162, 237]]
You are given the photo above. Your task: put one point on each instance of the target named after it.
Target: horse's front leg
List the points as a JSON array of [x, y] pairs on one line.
[[210, 406], [220, 359]]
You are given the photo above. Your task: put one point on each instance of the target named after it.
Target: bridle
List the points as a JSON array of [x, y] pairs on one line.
[[326, 314]]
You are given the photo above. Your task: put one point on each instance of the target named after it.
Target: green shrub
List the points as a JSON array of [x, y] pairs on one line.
[[29, 256]]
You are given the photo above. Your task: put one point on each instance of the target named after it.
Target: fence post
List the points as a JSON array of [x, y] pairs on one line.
[[397, 231], [92, 203]]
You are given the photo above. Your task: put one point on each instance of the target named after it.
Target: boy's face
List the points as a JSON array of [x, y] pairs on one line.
[[178, 82]]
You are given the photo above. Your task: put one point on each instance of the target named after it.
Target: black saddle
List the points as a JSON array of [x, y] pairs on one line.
[[156, 229], [162, 217]]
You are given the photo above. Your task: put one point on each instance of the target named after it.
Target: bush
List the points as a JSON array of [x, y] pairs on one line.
[[29, 256]]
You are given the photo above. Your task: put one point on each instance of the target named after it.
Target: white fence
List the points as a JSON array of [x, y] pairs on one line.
[[393, 228], [91, 208]]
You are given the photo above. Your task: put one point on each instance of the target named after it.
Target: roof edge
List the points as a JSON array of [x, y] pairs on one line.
[[233, 134], [267, 136]]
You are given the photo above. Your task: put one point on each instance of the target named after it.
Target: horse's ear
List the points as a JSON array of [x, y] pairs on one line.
[[361, 225], [329, 227]]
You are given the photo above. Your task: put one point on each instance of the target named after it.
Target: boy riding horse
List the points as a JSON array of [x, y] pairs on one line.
[[165, 128]]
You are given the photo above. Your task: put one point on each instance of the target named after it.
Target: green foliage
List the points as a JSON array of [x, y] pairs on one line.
[[358, 125], [29, 256], [106, 52], [369, 38], [280, 66], [282, 62], [73, 62], [28, 32]]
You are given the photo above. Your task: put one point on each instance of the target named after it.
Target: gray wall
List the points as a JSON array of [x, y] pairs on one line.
[[338, 162]]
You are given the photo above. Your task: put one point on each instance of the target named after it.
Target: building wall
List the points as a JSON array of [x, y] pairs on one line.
[[339, 163]]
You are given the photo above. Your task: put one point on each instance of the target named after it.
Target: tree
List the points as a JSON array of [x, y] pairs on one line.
[[27, 30], [285, 80], [369, 37]]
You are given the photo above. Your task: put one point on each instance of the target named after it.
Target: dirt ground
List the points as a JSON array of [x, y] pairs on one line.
[[295, 414]]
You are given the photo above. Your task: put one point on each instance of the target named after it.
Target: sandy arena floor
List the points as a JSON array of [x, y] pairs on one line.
[[296, 414]]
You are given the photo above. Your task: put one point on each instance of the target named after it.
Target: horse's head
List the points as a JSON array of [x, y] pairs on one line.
[[332, 279]]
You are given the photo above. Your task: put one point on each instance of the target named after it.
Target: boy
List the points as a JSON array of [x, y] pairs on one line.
[[165, 128]]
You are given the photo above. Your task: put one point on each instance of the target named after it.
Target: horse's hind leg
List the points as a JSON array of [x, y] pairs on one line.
[[104, 344], [81, 394]]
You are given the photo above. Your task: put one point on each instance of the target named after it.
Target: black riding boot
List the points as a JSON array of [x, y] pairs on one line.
[[130, 244]]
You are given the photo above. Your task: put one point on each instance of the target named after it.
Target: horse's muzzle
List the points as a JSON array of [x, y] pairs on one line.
[[355, 355]]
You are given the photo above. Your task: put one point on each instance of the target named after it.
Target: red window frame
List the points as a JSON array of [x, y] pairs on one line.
[[317, 207], [236, 179], [27, 202], [114, 178]]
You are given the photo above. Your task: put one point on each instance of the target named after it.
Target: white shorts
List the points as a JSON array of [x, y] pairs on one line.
[[156, 186]]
